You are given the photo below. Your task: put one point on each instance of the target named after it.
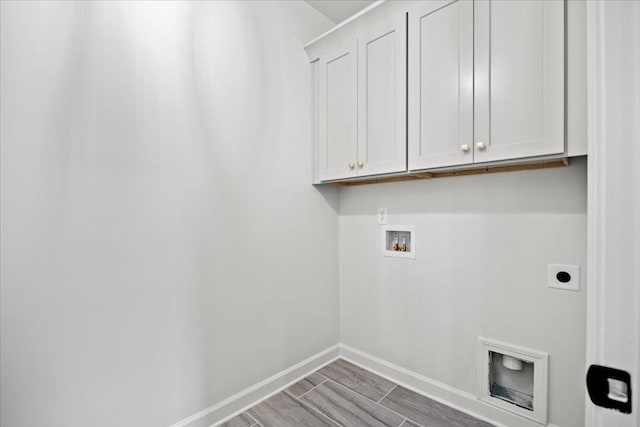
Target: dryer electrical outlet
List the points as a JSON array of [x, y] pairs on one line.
[[562, 276]]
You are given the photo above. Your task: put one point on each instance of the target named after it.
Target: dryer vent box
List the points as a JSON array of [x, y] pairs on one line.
[[513, 378], [511, 382]]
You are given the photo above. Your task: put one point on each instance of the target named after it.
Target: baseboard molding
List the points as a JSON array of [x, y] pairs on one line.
[[243, 400], [443, 393]]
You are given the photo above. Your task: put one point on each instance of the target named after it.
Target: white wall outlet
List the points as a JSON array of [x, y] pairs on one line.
[[382, 216], [562, 276]]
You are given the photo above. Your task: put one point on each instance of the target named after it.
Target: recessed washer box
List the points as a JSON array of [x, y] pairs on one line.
[[399, 241]]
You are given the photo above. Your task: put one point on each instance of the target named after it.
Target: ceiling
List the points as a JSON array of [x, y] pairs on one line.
[[339, 10]]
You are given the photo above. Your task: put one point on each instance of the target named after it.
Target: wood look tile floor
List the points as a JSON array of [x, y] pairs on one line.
[[343, 394]]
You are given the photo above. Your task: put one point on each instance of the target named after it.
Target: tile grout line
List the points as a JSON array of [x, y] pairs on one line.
[[331, 420], [456, 408], [387, 394], [409, 420], [286, 391], [249, 415], [312, 388], [402, 423], [396, 385], [373, 401], [365, 381], [312, 408], [316, 409], [367, 398], [209, 410]]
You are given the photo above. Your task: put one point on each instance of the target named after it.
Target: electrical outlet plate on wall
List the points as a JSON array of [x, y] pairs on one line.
[[561, 276], [382, 216]]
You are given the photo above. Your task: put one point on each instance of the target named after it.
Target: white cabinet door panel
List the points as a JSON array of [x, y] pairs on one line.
[[338, 112], [440, 84], [315, 119], [382, 97], [519, 79]]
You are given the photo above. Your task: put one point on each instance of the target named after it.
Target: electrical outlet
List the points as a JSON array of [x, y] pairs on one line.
[[382, 216], [565, 277]]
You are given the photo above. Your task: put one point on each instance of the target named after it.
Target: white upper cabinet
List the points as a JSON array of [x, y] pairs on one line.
[[440, 84], [382, 94], [519, 79], [413, 86], [337, 111], [359, 78]]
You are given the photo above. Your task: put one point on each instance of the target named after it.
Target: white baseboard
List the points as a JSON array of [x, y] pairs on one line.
[[243, 400], [443, 393], [451, 396]]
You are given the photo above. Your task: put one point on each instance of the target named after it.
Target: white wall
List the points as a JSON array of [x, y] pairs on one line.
[[162, 248], [484, 243], [145, 145]]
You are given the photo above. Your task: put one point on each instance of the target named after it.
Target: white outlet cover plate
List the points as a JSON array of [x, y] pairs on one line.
[[382, 216], [571, 285]]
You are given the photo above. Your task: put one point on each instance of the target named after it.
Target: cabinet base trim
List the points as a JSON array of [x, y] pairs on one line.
[[412, 176]]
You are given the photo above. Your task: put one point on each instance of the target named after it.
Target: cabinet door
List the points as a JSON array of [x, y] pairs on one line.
[[338, 92], [382, 69], [519, 79], [440, 84]]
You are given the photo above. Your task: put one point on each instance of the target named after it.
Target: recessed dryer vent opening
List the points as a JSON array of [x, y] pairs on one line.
[[513, 378]]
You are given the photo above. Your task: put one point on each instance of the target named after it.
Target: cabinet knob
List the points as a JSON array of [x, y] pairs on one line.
[[480, 146], [360, 164], [352, 165], [464, 148]]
